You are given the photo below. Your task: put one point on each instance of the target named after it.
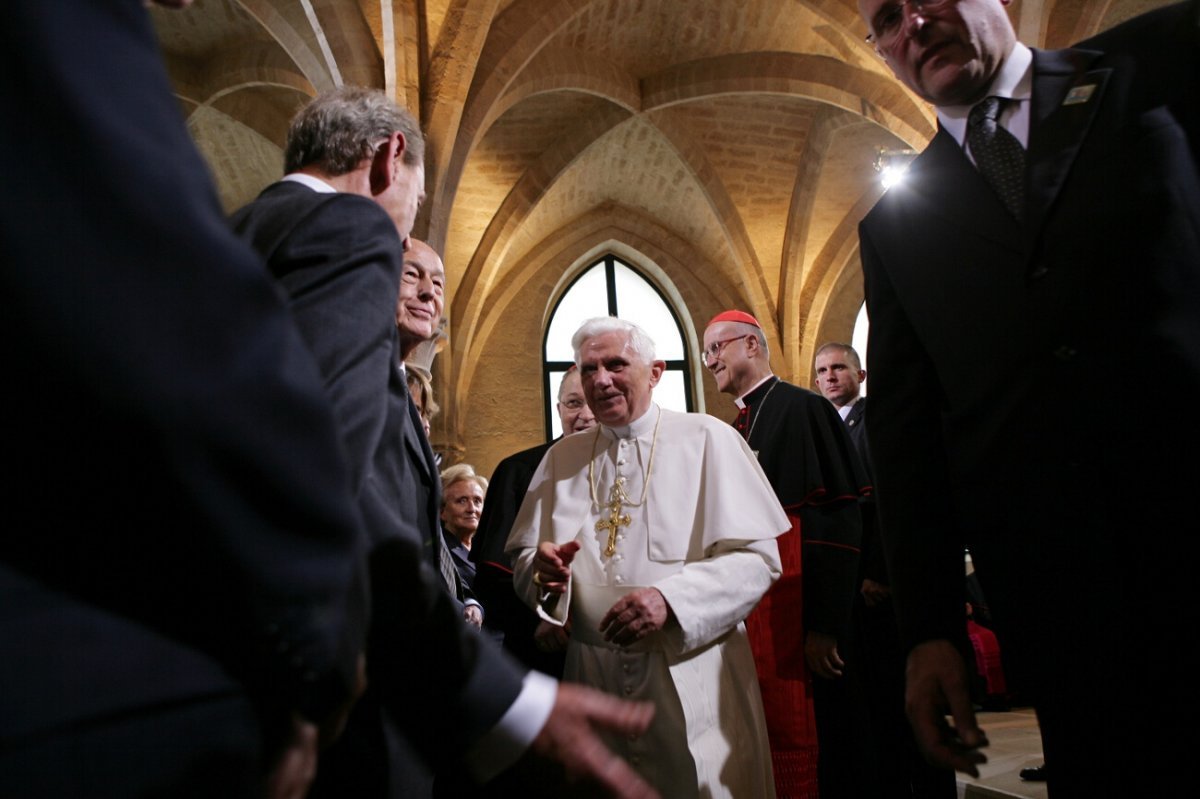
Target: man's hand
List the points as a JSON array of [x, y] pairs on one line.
[[295, 765], [552, 565], [820, 650], [634, 616], [875, 594], [551, 637], [331, 728], [937, 685], [473, 615], [569, 739]]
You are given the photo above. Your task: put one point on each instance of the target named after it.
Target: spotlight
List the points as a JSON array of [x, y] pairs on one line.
[[892, 164]]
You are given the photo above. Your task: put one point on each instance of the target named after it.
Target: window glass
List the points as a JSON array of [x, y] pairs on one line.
[[638, 302], [588, 297], [859, 342]]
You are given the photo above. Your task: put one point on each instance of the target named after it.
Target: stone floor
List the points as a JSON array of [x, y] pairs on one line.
[[1015, 743]]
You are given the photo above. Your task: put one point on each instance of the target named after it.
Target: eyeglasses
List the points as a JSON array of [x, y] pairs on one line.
[[713, 351], [888, 23]]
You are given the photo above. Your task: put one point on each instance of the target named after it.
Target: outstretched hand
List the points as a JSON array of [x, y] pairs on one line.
[[937, 685], [569, 739], [552, 565]]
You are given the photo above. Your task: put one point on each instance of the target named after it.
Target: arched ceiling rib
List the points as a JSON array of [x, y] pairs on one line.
[[730, 141], [524, 196], [576, 236]]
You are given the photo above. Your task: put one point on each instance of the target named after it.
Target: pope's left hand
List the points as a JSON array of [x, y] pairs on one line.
[[634, 616]]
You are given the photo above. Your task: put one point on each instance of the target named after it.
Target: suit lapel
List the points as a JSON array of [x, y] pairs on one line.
[[418, 444], [947, 185], [414, 434], [1066, 97], [856, 411]]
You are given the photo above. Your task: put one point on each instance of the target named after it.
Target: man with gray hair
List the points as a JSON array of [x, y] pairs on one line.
[[799, 632], [334, 233], [654, 537]]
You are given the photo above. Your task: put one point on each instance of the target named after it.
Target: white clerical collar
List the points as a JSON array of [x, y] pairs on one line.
[[642, 426], [741, 401], [1014, 81], [316, 184]]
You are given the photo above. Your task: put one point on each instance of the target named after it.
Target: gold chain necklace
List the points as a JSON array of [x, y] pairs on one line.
[[617, 496]]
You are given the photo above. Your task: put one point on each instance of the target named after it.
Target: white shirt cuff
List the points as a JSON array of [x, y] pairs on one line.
[[500, 746]]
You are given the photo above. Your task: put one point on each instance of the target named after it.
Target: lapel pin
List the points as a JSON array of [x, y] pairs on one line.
[[850, 423], [1079, 94]]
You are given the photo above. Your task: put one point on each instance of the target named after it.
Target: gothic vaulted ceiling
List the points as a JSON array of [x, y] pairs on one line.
[[725, 146]]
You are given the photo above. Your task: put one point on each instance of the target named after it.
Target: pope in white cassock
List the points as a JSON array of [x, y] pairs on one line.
[[652, 537]]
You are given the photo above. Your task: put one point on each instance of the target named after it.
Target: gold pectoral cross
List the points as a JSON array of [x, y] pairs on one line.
[[616, 519]]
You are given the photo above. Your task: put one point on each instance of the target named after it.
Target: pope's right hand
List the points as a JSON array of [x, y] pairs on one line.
[[552, 565]]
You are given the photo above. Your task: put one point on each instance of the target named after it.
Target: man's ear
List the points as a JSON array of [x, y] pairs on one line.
[[656, 370], [384, 162]]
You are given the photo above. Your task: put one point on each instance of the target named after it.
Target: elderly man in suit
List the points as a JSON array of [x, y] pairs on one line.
[[1042, 247], [334, 231]]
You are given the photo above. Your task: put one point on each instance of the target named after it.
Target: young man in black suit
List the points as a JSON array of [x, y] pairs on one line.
[[888, 750], [1027, 265]]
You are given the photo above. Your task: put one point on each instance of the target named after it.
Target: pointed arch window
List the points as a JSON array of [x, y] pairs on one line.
[[861, 326], [611, 287]]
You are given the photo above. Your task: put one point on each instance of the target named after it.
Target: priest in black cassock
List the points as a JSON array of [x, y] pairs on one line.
[[537, 644], [806, 453]]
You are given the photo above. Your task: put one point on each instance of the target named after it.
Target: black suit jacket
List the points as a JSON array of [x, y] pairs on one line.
[[506, 492], [178, 525], [872, 563], [1005, 411], [338, 257], [506, 614]]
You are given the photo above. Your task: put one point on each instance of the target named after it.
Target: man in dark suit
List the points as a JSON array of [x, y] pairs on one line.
[[537, 644], [889, 757], [333, 233], [179, 546], [1008, 287]]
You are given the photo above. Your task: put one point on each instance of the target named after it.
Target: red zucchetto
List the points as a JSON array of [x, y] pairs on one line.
[[734, 316]]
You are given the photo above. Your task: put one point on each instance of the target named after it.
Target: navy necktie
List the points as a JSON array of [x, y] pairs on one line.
[[998, 155]]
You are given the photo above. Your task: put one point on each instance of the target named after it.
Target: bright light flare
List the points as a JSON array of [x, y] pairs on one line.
[[891, 175]]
